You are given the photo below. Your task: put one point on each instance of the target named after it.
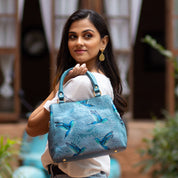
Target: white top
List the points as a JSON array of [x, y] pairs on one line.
[[76, 89]]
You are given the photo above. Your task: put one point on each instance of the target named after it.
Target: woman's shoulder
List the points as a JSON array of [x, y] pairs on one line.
[[83, 84], [79, 80], [78, 88], [85, 81], [101, 77]]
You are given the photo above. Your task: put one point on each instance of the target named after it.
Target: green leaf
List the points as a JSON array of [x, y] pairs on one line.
[[162, 149], [7, 153]]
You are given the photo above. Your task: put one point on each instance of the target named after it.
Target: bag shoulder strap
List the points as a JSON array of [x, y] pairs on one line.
[[91, 77]]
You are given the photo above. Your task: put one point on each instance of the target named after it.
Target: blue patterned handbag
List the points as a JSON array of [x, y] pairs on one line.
[[85, 129]]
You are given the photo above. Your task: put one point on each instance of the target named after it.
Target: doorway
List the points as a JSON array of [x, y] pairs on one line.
[[35, 58], [149, 65]]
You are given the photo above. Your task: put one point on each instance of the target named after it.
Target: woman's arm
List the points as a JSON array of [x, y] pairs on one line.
[[39, 119]]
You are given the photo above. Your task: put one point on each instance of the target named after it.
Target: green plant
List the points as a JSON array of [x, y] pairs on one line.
[[162, 150], [169, 56], [162, 50], [7, 153]]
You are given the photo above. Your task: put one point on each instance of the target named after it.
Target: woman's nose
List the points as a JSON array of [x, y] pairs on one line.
[[79, 41]]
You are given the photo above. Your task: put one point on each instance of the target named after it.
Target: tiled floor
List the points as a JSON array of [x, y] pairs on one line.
[[137, 130]]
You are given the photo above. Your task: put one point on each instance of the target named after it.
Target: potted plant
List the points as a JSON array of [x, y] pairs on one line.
[[161, 152], [7, 153]]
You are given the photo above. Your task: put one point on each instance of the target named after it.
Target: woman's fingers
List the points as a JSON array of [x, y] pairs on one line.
[[77, 70], [83, 68]]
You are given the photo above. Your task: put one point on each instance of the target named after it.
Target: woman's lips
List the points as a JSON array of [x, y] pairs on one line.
[[80, 51]]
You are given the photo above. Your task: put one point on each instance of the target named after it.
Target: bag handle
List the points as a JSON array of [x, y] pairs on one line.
[[91, 77]]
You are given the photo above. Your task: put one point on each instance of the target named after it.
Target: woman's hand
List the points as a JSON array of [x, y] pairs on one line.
[[77, 70]]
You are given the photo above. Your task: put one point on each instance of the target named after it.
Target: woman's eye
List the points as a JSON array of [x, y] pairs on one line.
[[88, 35], [72, 37]]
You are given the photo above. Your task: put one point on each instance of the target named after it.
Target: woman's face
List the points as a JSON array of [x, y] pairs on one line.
[[84, 42]]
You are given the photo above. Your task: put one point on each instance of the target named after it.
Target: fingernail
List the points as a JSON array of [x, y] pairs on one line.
[[77, 65], [83, 65]]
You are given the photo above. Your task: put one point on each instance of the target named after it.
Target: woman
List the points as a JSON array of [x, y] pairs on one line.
[[86, 44]]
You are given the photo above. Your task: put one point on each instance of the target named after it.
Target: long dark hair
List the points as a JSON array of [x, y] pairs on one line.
[[108, 66]]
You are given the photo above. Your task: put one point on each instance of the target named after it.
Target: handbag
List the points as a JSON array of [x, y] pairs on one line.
[[85, 129]]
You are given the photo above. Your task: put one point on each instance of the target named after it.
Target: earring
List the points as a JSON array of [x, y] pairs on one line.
[[102, 57]]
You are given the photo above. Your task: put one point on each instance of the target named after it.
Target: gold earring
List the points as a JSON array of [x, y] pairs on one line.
[[102, 57]]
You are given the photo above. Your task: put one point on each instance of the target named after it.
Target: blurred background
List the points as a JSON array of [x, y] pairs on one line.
[[30, 34]]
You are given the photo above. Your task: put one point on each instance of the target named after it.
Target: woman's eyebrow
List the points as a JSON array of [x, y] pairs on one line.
[[72, 32], [87, 30]]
